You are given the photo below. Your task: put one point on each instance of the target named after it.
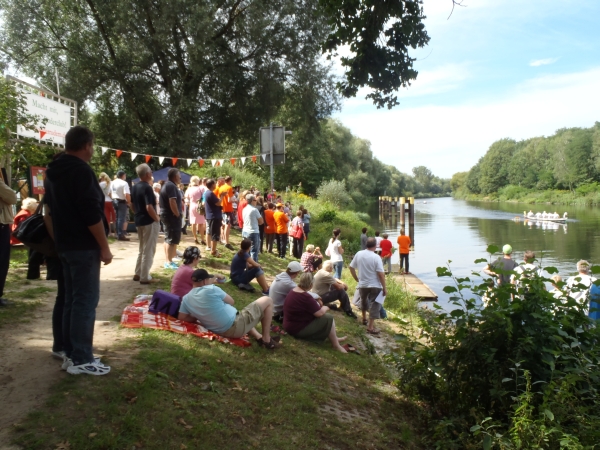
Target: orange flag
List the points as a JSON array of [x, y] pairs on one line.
[[232, 161], [254, 159], [148, 158], [174, 160], [200, 162], [119, 152]]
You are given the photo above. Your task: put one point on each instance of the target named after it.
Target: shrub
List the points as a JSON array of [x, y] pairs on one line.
[[334, 192]]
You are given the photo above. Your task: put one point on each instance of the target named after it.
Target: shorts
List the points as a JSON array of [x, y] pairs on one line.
[[213, 228], [248, 276], [172, 227], [318, 330], [245, 320], [368, 303], [228, 218]]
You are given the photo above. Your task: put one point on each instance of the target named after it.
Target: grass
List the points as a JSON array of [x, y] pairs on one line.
[[182, 392]]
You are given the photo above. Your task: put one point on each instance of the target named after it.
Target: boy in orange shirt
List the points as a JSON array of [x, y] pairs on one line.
[[281, 225], [227, 209], [270, 228], [404, 245]]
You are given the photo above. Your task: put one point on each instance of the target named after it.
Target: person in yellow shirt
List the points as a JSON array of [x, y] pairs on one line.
[[281, 228], [227, 189], [404, 245]]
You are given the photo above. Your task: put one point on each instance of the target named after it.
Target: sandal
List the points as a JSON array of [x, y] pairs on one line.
[[350, 348], [216, 254], [271, 345], [365, 321], [374, 332]]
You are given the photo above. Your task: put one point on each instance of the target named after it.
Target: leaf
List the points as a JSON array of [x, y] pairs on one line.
[[162, 375], [491, 249], [443, 272], [551, 270], [595, 269], [487, 442], [91, 435], [449, 289], [480, 260], [181, 421], [549, 414], [475, 428], [505, 380]]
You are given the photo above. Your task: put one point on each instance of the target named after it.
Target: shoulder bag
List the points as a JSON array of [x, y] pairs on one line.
[[33, 233]]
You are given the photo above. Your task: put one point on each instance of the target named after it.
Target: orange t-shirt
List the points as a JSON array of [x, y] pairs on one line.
[[281, 220], [270, 221], [404, 244], [226, 202]]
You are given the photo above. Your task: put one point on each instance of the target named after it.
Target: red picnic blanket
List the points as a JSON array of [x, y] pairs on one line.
[[137, 316]]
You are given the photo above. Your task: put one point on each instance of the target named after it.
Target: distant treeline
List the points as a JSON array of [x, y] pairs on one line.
[[567, 161]]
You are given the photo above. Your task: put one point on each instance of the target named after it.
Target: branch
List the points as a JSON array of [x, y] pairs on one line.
[[456, 3]]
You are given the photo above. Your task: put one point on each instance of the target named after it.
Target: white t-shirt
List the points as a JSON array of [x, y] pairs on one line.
[[334, 248], [368, 263], [531, 269], [119, 189], [250, 215], [106, 190], [574, 290], [378, 240]]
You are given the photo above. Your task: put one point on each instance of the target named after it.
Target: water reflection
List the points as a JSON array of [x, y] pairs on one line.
[[447, 229]]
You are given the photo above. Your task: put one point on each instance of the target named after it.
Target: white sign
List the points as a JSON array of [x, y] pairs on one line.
[[60, 114]]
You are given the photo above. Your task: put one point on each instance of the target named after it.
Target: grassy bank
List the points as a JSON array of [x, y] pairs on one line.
[[585, 195], [178, 392]]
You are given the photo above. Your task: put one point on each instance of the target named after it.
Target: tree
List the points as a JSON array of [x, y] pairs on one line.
[[424, 177], [494, 166], [458, 180]]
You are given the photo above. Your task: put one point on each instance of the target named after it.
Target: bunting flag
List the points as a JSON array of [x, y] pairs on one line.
[[104, 149], [174, 161], [189, 161], [201, 162], [243, 158], [264, 157], [161, 159], [254, 158], [214, 162], [221, 161], [133, 156], [232, 161], [119, 153], [148, 158]]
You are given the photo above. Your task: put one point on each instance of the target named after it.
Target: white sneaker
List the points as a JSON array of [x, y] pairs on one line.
[[95, 368], [68, 362], [176, 259]]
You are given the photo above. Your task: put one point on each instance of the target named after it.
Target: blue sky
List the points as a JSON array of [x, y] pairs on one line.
[[494, 69]]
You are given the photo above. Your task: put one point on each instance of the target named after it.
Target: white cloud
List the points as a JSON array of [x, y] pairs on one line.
[[449, 139], [542, 62]]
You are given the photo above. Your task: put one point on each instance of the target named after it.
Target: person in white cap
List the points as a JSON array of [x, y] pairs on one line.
[[281, 286], [502, 266]]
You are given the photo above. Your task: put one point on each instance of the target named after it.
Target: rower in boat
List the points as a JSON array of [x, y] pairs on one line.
[[538, 215], [530, 214]]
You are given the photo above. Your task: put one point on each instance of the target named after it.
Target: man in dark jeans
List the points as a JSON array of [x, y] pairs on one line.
[[122, 202], [170, 214], [8, 197], [75, 205]]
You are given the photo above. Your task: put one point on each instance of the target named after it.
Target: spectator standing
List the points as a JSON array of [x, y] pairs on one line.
[[75, 204], [270, 226], [298, 242], [193, 197], [386, 252], [170, 214], [260, 205], [579, 286], [252, 221], [35, 259], [378, 239], [227, 205], [184, 209], [335, 253], [241, 205], [404, 246], [281, 286], [121, 197], [306, 220], [214, 217], [146, 221], [109, 209], [371, 282], [363, 239], [281, 228], [8, 197], [500, 269]]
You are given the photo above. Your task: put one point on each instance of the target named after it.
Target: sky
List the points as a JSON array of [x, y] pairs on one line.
[[495, 69]]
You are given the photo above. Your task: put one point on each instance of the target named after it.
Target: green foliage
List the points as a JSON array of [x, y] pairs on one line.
[[334, 192], [521, 372]]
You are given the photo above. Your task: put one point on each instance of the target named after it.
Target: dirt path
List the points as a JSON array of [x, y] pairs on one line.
[[27, 370]]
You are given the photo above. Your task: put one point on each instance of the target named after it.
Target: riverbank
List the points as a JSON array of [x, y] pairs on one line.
[[585, 195]]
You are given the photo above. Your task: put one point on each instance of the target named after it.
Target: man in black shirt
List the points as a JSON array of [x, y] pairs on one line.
[[75, 205], [502, 267], [146, 222], [170, 214]]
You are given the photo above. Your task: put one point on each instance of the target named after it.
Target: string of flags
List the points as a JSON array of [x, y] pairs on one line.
[[190, 161]]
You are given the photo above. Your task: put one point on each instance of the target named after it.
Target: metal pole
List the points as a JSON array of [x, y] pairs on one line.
[[57, 86], [272, 165]]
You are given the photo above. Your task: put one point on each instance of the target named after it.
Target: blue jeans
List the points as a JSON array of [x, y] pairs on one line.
[[337, 269], [122, 209], [255, 238], [82, 293]]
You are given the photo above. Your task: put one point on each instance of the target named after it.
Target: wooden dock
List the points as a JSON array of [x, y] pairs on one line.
[[415, 285]]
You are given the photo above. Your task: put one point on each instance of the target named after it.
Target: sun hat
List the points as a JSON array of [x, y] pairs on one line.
[[507, 249], [294, 267], [201, 275]]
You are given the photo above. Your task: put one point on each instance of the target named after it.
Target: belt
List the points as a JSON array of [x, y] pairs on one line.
[[120, 201]]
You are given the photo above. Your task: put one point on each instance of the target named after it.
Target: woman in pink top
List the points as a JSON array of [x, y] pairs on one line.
[[182, 283], [198, 222]]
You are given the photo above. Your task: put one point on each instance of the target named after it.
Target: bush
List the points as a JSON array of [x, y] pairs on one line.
[[334, 192], [521, 372]]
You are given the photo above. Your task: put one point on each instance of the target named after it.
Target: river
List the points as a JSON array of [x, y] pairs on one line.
[[460, 231]]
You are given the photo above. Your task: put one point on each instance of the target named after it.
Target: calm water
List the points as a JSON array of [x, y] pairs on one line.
[[448, 229]]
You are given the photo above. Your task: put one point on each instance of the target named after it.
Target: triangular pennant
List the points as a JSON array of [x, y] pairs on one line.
[[254, 158], [243, 160], [161, 159], [221, 161], [264, 157], [232, 161], [174, 160], [133, 156], [214, 162], [104, 149], [189, 160], [119, 153], [148, 158], [200, 162]]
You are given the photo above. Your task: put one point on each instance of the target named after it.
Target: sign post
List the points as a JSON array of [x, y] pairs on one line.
[[272, 147]]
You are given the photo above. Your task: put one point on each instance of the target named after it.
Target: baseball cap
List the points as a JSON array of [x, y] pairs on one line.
[[507, 249], [200, 275], [294, 266]]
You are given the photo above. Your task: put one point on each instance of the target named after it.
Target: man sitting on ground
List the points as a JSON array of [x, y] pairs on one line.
[[210, 306], [281, 286], [331, 289], [311, 259]]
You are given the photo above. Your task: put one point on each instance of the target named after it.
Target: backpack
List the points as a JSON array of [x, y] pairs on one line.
[[166, 303], [201, 209]]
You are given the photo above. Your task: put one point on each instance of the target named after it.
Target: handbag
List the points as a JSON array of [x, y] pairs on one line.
[[201, 209], [297, 231], [32, 232], [166, 303]]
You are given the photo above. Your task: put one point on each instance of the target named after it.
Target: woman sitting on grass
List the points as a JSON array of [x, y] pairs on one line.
[[244, 269], [306, 318], [182, 283]]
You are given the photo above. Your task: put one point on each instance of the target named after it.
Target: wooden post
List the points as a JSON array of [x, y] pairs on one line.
[[411, 219], [402, 212]]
